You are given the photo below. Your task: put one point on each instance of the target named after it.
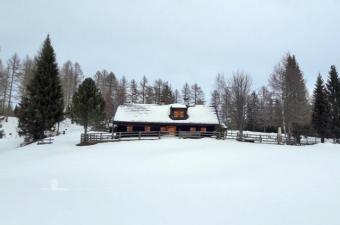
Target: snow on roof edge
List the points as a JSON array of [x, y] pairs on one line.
[[152, 113]]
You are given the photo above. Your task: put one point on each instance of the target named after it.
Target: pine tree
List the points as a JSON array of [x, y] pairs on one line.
[[88, 104], [43, 107], [150, 95], [167, 95], [295, 107], [320, 117], [333, 93]]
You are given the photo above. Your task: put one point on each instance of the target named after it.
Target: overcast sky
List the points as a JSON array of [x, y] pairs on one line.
[[177, 40]]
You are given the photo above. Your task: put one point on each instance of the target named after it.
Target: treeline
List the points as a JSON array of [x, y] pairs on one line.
[[284, 103], [48, 93], [43, 93], [16, 74], [120, 91]]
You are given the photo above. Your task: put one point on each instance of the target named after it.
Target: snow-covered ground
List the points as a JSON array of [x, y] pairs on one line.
[[169, 181], [11, 139]]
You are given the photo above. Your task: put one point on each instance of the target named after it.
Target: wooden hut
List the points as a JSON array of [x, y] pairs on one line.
[[166, 118]]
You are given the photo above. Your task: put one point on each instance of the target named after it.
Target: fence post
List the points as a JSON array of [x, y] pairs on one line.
[[120, 135], [159, 135], [139, 135]]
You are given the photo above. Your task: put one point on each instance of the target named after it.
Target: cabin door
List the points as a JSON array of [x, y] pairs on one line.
[[171, 130]]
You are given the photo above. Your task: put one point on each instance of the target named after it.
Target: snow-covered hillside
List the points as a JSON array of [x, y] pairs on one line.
[[169, 181], [11, 139]]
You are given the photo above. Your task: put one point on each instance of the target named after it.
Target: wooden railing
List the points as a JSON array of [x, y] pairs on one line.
[[93, 138], [270, 138]]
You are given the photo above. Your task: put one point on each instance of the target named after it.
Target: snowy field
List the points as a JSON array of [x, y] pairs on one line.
[[168, 181]]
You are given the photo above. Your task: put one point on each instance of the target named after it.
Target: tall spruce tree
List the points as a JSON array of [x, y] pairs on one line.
[[43, 106], [167, 95], [295, 99], [88, 104], [321, 116], [333, 93]]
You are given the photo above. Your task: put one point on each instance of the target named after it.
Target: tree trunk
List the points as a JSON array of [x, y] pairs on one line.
[[10, 94], [58, 125], [85, 133], [85, 129]]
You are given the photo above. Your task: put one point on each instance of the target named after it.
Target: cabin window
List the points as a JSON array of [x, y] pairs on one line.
[[163, 129], [129, 128], [147, 128], [203, 129], [192, 129], [178, 114], [171, 129]]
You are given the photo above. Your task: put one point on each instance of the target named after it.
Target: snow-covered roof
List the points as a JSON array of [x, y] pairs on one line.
[[152, 113], [179, 106]]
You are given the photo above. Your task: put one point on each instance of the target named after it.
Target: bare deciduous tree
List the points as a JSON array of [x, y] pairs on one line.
[[13, 67], [158, 91], [143, 86], [221, 99], [240, 88], [122, 91], [71, 76], [186, 94], [133, 91], [289, 86], [28, 65], [3, 87], [197, 95]]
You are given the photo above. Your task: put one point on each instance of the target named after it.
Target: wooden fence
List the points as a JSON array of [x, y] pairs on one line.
[[271, 138], [93, 138]]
